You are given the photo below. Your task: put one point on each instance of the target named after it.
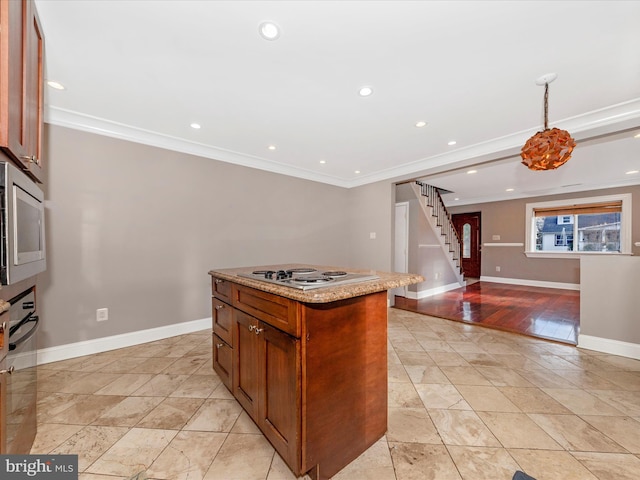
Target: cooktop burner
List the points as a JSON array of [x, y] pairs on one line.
[[334, 274], [307, 278], [301, 270]]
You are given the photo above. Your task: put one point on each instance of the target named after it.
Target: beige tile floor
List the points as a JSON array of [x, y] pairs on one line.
[[464, 403]]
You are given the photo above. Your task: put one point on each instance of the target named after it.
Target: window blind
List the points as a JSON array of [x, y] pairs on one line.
[[585, 208]]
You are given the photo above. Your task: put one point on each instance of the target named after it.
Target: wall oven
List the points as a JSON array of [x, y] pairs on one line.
[[21, 383], [22, 248]]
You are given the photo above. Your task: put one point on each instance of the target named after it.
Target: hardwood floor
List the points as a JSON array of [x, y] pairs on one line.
[[547, 313]]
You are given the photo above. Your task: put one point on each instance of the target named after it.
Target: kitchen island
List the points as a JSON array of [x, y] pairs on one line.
[[308, 366]]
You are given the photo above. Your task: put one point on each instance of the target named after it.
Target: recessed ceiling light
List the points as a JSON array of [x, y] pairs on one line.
[[421, 124], [472, 171], [271, 147], [452, 142], [509, 190], [456, 198], [269, 30], [365, 91], [56, 85], [323, 161], [637, 135], [195, 125], [357, 171], [631, 172]]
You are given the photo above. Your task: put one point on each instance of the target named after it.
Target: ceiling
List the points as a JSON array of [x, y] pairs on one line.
[[146, 70]]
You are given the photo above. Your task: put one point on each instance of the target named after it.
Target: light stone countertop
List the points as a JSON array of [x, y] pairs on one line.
[[387, 281]]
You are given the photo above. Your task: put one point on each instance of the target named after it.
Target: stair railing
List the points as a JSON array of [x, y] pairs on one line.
[[443, 220]]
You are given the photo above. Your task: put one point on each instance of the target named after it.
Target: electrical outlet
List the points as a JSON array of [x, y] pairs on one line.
[[102, 314], [497, 269], [495, 237], [372, 235], [437, 275]]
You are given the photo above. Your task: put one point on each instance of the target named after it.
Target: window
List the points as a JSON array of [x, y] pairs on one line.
[[466, 241], [579, 226], [563, 240]]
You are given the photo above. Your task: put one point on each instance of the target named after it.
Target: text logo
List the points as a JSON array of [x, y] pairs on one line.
[[41, 467]]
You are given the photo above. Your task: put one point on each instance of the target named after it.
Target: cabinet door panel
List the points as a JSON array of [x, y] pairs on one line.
[[223, 361], [221, 289], [22, 84], [247, 369], [34, 91], [280, 414], [222, 320]]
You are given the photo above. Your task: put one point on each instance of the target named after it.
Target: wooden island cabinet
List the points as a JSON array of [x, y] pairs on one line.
[[310, 368]]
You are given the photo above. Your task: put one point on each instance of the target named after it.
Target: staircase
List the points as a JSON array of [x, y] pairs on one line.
[[434, 207]]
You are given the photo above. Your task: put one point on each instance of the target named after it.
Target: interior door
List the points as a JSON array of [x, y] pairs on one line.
[[401, 254], [468, 227]]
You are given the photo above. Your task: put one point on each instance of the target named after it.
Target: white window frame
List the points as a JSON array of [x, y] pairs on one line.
[[625, 227]]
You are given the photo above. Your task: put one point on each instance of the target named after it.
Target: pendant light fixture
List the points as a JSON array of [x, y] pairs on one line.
[[550, 148]]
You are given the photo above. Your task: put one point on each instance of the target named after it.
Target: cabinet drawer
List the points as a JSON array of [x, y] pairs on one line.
[[221, 288], [222, 316], [275, 310], [223, 360]]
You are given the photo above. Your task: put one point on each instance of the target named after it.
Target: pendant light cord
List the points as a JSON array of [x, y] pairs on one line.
[[546, 106]]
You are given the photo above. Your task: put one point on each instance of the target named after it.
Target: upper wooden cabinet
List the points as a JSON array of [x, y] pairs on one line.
[[21, 85]]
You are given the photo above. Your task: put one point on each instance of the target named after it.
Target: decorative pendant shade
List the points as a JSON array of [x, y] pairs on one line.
[[549, 149]]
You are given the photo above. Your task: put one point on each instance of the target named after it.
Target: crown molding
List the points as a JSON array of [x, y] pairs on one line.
[[620, 117], [100, 126]]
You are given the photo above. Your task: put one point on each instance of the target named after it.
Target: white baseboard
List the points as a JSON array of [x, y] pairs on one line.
[[531, 283], [432, 291], [607, 345], [88, 347]]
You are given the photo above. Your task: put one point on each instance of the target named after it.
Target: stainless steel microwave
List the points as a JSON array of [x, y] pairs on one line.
[[22, 246]]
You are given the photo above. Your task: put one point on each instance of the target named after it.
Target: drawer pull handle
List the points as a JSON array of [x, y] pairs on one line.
[[219, 307], [251, 327], [218, 281], [9, 371], [30, 159], [219, 345], [258, 330]]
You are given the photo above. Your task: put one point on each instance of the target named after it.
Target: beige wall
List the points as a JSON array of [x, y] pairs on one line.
[[507, 219], [609, 300], [135, 229], [371, 209]]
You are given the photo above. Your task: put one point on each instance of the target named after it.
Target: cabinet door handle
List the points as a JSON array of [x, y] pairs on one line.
[[9, 371], [30, 158], [3, 327], [219, 345], [219, 307], [258, 330], [218, 281]]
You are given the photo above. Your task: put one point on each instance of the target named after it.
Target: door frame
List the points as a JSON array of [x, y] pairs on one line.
[[478, 244]]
